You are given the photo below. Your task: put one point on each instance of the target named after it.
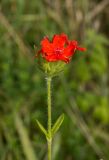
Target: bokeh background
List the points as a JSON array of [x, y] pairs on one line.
[[81, 91]]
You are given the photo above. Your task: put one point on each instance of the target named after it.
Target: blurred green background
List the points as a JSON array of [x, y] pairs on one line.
[[81, 92]]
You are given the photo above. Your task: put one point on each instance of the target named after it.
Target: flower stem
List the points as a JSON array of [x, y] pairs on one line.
[[49, 141], [49, 150]]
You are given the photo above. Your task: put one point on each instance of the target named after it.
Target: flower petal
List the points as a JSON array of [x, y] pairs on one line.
[[59, 40], [64, 58], [74, 43], [69, 50], [80, 48], [47, 47], [51, 58]]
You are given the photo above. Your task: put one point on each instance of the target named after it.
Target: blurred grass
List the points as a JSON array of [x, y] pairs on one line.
[[82, 89]]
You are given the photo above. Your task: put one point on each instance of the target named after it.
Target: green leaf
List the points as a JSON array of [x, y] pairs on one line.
[[57, 124], [42, 128]]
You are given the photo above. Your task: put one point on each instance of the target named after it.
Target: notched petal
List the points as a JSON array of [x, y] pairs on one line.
[[80, 48]]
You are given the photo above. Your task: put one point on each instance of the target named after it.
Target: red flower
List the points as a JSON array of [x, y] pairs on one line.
[[59, 49]]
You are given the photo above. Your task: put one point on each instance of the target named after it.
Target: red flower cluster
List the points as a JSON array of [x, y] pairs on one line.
[[59, 49]]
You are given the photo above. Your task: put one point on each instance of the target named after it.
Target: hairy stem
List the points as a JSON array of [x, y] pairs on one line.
[[49, 141]]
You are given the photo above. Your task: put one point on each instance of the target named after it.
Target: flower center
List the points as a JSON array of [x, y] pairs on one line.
[[58, 51]]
